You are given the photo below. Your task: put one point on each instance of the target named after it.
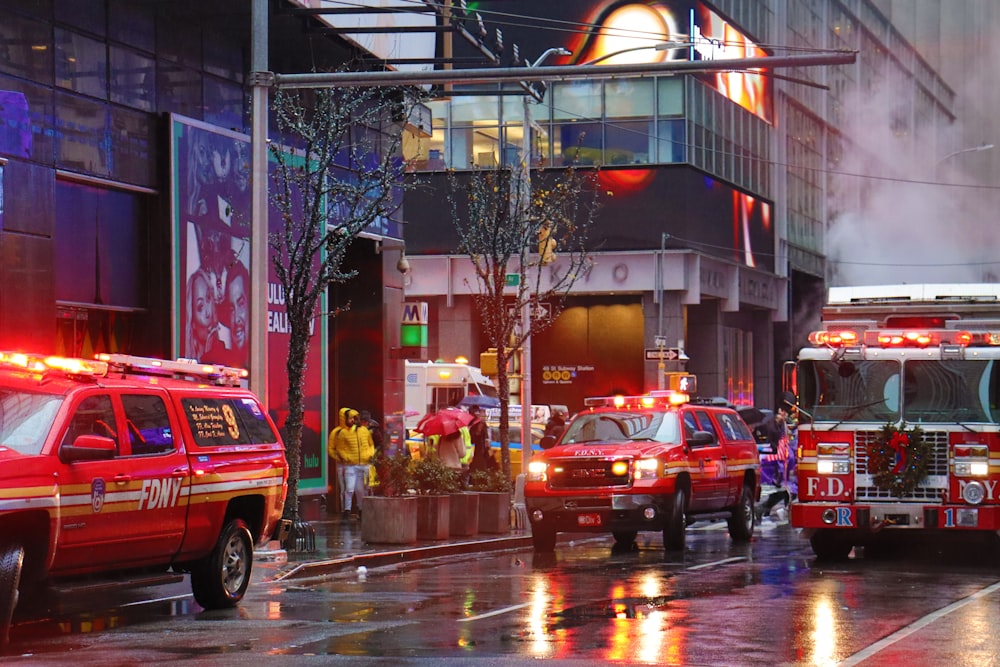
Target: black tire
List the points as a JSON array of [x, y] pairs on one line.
[[741, 521], [624, 538], [11, 562], [220, 580], [674, 532], [543, 539], [829, 545]]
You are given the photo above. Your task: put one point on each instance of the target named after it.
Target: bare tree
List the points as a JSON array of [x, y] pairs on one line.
[[536, 229], [339, 179]]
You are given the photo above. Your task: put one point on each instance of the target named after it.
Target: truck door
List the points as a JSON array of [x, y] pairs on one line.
[[157, 465], [706, 463], [737, 444], [89, 499]]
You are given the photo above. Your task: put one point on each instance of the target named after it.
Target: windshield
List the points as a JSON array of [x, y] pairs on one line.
[[483, 389], [25, 419], [932, 390], [859, 390], [954, 390], [622, 426]]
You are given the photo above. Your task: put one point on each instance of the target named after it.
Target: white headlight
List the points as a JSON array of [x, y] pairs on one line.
[[647, 468], [536, 471], [979, 468]]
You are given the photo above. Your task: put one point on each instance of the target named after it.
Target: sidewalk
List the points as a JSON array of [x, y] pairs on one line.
[[339, 548]]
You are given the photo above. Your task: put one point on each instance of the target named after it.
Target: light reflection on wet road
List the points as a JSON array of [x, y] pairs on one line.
[[766, 603]]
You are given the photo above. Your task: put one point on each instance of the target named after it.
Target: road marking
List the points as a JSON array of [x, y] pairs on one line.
[[171, 598], [734, 559], [495, 612], [902, 633], [505, 610]]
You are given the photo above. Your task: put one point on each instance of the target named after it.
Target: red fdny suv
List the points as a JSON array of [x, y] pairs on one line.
[[133, 469], [635, 463]]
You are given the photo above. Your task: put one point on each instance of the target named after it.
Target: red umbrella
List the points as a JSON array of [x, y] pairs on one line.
[[444, 422]]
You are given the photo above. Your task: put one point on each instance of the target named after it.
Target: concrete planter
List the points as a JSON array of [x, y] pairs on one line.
[[464, 519], [433, 517], [389, 520], [494, 512]]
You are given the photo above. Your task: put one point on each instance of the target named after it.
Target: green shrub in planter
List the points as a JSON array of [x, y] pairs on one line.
[[490, 480], [433, 478], [392, 475]]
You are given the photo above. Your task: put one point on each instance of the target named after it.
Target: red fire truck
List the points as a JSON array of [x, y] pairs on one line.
[[899, 408]]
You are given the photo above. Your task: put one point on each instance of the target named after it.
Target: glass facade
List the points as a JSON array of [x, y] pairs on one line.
[[614, 122]]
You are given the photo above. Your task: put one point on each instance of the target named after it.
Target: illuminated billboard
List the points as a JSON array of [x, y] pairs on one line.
[[716, 39], [212, 292], [610, 32]]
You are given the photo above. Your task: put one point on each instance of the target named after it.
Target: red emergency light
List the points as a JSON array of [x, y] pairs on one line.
[[660, 398], [905, 338], [833, 338]]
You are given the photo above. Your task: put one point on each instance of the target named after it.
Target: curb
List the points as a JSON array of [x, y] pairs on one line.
[[380, 558]]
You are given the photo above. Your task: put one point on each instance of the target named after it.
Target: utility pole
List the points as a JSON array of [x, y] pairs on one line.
[[260, 80], [523, 204]]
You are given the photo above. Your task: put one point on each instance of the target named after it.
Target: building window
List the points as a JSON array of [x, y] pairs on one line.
[[81, 64], [100, 247], [133, 79], [737, 365], [27, 48], [82, 135]]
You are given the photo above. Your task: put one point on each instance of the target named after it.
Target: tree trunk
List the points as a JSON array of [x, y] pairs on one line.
[[503, 389], [298, 347]]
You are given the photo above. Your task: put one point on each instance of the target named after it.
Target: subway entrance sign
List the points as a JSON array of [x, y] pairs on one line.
[[413, 327]]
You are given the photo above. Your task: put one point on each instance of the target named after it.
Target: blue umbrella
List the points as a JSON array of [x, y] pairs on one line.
[[480, 401]]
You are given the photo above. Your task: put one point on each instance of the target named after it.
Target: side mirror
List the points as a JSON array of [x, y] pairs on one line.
[[700, 439], [88, 448], [547, 442]]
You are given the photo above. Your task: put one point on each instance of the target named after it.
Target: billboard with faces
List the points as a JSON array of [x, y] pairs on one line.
[[213, 295], [607, 32]]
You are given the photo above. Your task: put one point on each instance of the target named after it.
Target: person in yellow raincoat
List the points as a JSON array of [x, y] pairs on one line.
[[351, 446]]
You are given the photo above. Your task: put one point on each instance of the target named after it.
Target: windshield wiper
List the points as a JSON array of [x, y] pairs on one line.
[[855, 410]]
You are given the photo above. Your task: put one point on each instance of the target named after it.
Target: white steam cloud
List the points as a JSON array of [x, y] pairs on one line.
[[899, 213]]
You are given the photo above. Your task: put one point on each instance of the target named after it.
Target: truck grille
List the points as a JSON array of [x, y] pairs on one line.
[[932, 489], [584, 473]]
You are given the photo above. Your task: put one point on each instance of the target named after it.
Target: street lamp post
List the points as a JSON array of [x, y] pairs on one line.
[[659, 46], [971, 149], [522, 204]]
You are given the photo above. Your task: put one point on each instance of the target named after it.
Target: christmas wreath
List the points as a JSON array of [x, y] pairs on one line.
[[899, 458]]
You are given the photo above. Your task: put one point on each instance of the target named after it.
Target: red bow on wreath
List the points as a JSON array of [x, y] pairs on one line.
[[899, 442]]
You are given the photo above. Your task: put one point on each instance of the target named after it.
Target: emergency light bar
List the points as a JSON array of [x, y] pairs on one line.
[[905, 338], [664, 398], [127, 363], [36, 363]]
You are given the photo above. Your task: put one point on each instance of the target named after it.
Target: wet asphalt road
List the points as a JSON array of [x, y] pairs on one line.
[[719, 603]]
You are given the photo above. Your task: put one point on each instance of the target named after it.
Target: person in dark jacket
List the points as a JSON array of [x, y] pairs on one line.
[[378, 437], [775, 429], [556, 424], [480, 434]]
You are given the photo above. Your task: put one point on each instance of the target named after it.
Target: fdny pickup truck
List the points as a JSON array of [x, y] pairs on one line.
[[132, 468], [655, 462]]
